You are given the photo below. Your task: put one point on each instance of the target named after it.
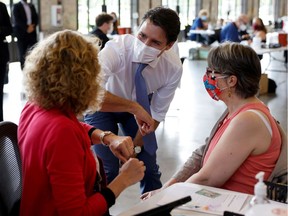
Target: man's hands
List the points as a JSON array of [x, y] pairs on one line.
[[144, 121], [122, 147], [114, 103], [31, 28]]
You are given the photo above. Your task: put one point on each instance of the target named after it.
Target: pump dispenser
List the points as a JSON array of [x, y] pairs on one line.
[[260, 191]]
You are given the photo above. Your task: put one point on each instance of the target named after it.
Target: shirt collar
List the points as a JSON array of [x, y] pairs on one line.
[[151, 64], [24, 3]]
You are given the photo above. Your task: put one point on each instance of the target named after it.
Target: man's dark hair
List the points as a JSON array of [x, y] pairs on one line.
[[103, 18], [166, 19]]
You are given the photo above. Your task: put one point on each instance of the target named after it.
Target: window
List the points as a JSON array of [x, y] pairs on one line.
[[229, 10], [186, 10], [89, 9], [83, 16], [266, 11], [125, 13]]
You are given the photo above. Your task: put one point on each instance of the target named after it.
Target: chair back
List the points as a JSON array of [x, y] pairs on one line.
[[276, 191], [10, 168], [277, 181]]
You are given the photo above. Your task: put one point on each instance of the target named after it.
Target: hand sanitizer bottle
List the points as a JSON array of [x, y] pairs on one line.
[[260, 191]]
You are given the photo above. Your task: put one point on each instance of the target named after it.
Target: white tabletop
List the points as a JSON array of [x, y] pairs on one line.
[[261, 51], [180, 190], [204, 32]]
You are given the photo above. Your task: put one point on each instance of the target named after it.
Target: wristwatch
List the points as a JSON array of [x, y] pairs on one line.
[[137, 149], [102, 135]]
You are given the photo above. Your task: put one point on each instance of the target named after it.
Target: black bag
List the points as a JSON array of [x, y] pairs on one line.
[[271, 86], [6, 78]]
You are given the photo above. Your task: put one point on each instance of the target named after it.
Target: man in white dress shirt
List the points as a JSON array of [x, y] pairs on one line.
[[119, 60], [25, 21]]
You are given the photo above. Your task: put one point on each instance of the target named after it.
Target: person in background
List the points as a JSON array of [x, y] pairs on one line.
[[5, 30], [220, 23], [235, 31], [259, 29], [246, 139], [200, 23], [103, 26], [25, 21], [158, 68], [61, 173], [115, 23]]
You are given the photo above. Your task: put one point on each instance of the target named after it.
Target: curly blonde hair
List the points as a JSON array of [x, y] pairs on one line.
[[63, 72]]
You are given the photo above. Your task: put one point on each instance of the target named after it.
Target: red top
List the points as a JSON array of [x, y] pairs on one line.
[[59, 169], [243, 180]]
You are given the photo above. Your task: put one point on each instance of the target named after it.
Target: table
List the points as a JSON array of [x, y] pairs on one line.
[[205, 35], [180, 190], [203, 32], [262, 51]]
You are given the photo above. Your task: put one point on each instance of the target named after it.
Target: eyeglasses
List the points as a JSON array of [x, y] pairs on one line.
[[210, 72]]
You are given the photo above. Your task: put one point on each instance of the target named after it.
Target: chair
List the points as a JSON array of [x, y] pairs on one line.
[[276, 191], [10, 168], [277, 181]]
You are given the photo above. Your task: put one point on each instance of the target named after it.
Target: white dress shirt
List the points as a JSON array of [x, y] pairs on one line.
[[28, 12], [162, 76]]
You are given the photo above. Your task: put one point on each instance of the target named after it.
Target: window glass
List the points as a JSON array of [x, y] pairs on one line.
[[83, 16], [266, 11], [95, 8], [125, 13], [186, 10], [88, 10], [229, 10]]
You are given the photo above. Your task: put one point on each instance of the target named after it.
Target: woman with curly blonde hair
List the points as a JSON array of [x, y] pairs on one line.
[[61, 175]]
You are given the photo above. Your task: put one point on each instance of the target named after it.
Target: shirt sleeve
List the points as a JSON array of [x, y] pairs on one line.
[[162, 98], [109, 60], [191, 166], [230, 33], [64, 163]]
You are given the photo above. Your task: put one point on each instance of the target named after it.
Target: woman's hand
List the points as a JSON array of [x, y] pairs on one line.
[[149, 194], [130, 173], [133, 171]]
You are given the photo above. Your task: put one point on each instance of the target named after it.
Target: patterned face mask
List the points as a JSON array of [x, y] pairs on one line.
[[210, 83]]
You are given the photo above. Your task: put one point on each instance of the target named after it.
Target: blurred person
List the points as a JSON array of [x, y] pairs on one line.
[[246, 139], [115, 23], [25, 21], [235, 31], [220, 23], [200, 23], [259, 29], [61, 174], [122, 61], [103, 27], [5, 30]]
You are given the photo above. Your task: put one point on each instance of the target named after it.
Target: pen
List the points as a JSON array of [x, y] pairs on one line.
[[196, 207]]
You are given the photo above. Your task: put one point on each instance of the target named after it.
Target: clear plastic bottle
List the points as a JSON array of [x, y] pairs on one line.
[[260, 191]]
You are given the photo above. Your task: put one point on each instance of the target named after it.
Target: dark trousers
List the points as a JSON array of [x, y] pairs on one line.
[[127, 124], [4, 58], [2, 76], [24, 44]]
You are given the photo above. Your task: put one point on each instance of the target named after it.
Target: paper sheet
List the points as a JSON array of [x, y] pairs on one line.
[[209, 201]]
